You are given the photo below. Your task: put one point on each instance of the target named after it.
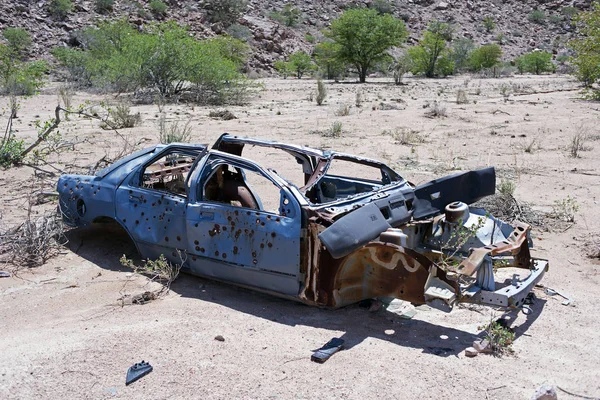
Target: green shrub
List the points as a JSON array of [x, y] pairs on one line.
[[383, 6], [288, 16], [537, 62], [537, 17], [321, 92], [103, 6], [18, 40], [18, 77], [484, 57], [225, 11], [10, 151], [158, 9], [309, 38], [489, 24], [240, 32], [569, 11], [283, 68], [59, 9], [165, 58], [555, 19]]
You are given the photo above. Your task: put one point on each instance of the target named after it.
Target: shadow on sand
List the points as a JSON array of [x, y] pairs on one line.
[[104, 244]]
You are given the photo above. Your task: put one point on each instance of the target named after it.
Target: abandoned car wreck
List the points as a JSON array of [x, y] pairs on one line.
[[347, 229]]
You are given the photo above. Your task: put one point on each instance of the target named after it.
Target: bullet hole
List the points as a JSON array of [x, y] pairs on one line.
[[262, 245], [253, 254], [224, 255], [254, 261], [273, 234], [217, 253], [197, 248], [270, 244], [196, 242], [235, 249], [178, 238]]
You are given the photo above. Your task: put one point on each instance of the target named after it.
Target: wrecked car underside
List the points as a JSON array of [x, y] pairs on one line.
[[332, 239]]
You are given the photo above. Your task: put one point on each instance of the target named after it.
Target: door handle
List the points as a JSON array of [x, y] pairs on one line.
[[206, 216], [135, 199]]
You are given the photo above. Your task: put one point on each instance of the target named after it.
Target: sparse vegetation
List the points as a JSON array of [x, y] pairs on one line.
[[65, 95], [383, 6], [174, 131], [577, 144], [499, 337], [343, 111], [329, 65], [226, 12], [362, 37], [240, 32], [300, 63], [461, 97], [565, 209], [436, 110], [537, 16], [104, 6], [321, 92], [158, 9], [489, 24], [358, 99], [159, 270], [18, 40], [33, 242], [288, 16], [120, 117], [507, 187], [405, 136], [17, 77], [335, 130], [59, 9]]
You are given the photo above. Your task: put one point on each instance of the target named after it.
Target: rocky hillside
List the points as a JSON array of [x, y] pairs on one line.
[[515, 27]]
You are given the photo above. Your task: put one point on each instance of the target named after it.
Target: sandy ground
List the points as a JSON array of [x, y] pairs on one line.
[[65, 334]]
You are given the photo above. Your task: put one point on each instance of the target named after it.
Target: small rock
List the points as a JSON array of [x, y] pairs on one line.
[[545, 392], [220, 338], [482, 346], [471, 352], [441, 6]]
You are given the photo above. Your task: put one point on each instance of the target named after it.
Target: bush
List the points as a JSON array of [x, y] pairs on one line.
[[18, 40], [59, 9], [288, 16], [383, 6], [240, 32], [120, 117], [484, 57], [165, 58], [103, 6], [17, 77], [225, 11], [537, 17], [283, 68], [174, 132], [432, 56], [362, 38], [321, 92], [489, 24], [309, 38], [158, 9], [537, 62], [10, 151]]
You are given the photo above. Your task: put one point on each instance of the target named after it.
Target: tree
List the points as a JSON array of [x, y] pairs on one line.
[[461, 52], [283, 68], [17, 77], [485, 57], [432, 56], [300, 62], [326, 60], [536, 62], [587, 48], [362, 38]]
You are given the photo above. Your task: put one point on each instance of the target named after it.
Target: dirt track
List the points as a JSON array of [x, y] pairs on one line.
[[64, 334]]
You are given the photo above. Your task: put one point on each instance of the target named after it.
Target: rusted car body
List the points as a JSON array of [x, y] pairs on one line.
[[331, 239]]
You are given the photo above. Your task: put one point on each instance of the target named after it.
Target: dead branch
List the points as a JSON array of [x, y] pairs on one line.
[[42, 136]]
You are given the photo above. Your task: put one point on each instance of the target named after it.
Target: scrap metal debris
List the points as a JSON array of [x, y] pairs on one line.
[[325, 352], [136, 371], [4, 274], [551, 292]]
